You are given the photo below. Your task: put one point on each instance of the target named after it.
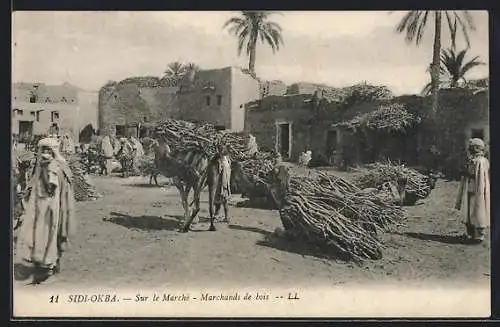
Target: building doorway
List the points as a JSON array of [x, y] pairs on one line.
[[331, 145], [120, 130], [477, 133], [284, 138], [54, 129], [25, 129]]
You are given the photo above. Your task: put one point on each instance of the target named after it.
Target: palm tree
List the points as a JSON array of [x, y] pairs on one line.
[[453, 68], [177, 71], [174, 73], [414, 24], [249, 27], [190, 70]]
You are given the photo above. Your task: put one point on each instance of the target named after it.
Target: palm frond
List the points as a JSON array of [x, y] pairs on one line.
[[401, 27], [421, 27], [427, 89], [234, 21], [452, 64], [242, 37], [464, 27], [453, 29], [460, 57], [470, 64], [470, 20], [413, 23]]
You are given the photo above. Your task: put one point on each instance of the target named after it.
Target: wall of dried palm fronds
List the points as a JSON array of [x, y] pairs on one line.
[[460, 111], [370, 137], [384, 133]]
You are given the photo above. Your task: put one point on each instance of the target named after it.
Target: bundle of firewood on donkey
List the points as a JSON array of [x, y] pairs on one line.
[[182, 135], [334, 214], [417, 185]]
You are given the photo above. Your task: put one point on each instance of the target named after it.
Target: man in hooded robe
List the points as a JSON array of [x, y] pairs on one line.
[[126, 156], [49, 219], [251, 146], [474, 194], [138, 145], [67, 145], [138, 152], [107, 152]]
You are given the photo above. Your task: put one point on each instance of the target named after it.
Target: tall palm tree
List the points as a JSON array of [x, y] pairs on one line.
[[453, 68], [414, 24], [249, 27]]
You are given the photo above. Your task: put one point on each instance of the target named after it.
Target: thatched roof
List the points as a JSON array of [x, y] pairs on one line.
[[387, 118]]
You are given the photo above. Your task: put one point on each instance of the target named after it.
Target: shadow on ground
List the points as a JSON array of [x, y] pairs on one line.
[[271, 240], [22, 272], [256, 204], [299, 247], [146, 223], [441, 238], [146, 185], [251, 229]]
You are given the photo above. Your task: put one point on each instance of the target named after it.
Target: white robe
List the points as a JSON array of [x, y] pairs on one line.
[[478, 214]]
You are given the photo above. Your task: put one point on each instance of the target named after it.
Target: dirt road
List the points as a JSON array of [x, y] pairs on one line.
[[129, 237]]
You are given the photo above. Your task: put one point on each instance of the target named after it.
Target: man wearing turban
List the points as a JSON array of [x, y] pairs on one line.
[[474, 194], [48, 222]]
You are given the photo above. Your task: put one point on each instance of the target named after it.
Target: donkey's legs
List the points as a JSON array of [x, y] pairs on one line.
[[185, 205], [196, 202], [211, 199], [188, 216], [226, 213]]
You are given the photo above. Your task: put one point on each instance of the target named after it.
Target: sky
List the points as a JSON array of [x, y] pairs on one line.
[[337, 48]]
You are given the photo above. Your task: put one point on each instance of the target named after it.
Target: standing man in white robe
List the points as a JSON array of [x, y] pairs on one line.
[[474, 194]]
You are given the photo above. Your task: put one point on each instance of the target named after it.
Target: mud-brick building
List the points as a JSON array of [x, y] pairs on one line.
[[285, 124], [218, 96], [269, 88], [215, 96], [38, 109], [309, 88], [122, 105], [295, 123]]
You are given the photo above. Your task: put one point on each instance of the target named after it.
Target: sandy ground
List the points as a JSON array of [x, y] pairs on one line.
[[129, 237]]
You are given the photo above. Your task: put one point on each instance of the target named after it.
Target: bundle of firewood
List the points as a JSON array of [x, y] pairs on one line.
[[382, 172], [182, 135], [332, 213], [83, 189], [255, 175]]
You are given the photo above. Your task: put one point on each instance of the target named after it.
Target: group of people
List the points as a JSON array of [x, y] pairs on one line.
[[49, 216], [128, 151]]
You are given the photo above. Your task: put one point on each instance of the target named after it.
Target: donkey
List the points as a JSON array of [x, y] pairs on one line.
[[188, 170]]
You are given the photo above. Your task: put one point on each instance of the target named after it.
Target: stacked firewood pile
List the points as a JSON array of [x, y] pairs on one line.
[[333, 213], [83, 189], [382, 172], [254, 176]]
